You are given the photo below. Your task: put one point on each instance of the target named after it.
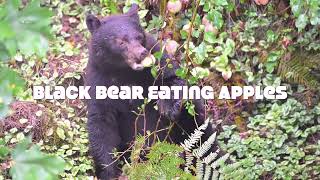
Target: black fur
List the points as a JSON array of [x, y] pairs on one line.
[[117, 43]]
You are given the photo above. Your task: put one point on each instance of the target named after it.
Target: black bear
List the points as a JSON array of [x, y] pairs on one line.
[[118, 45]]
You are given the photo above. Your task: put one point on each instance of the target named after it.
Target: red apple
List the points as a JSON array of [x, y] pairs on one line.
[[205, 21], [171, 47], [261, 2], [174, 6], [210, 28]]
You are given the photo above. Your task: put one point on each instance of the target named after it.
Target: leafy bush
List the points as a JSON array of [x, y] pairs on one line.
[[22, 29], [29, 163], [306, 12], [163, 163], [21, 26], [279, 143]]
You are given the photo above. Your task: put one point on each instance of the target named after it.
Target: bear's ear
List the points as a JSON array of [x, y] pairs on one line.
[[133, 11], [93, 23]]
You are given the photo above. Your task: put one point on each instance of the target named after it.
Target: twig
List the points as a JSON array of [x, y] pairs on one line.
[[190, 30]]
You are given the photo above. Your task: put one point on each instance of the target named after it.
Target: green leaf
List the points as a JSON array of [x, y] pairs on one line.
[[154, 71], [182, 72], [215, 17], [4, 150], [221, 2], [296, 7], [31, 164], [5, 30], [200, 53], [25, 29], [11, 84], [4, 53], [200, 72], [14, 82], [210, 37], [111, 5], [229, 47], [60, 133], [190, 107], [301, 22], [40, 47], [143, 13], [158, 55], [220, 63], [271, 36]]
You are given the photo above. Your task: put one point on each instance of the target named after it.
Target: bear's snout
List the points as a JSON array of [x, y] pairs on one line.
[[140, 53], [143, 54], [136, 53]]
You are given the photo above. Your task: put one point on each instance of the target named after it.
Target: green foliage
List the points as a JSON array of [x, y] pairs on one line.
[[111, 5], [30, 163], [310, 40], [278, 143], [298, 69], [305, 12], [163, 163], [24, 29], [11, 84], [4, 150], [72, 146]]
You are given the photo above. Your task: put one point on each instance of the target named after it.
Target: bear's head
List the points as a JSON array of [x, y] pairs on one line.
[[120, 37]]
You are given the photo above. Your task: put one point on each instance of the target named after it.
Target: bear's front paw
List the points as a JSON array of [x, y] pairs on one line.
[[170, 108]]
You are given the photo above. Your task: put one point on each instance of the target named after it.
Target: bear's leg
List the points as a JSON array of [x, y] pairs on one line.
[[103, 137]]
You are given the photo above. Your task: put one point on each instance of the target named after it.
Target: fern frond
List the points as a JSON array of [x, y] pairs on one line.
[[215, 175], [205, 168], [199, 168], [195, 137], [212, 156], [298, 69], [207, 173], [219, 161], [189, 161], [204, 148], [204, 125]]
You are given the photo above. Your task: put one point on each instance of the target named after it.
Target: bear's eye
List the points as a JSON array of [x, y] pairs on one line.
[[120, 42]]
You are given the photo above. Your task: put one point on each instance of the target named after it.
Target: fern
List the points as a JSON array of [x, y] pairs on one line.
[[199, 168], [195, 137], [212, 156], [207, 173], [298, 69], [189, 158], [205, 147], [206, 167], [215, 175], [220, 161]]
